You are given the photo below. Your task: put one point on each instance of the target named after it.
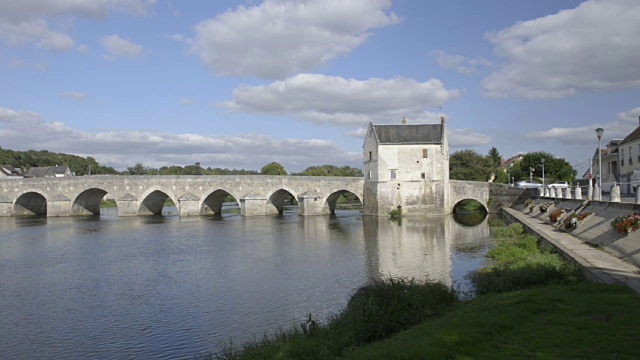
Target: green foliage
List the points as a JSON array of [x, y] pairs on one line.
[[138, 169], [396, 213], [273, 169], [494, 156], [331, 170], [469, 165], [375, 312], [31, 158], [518, 262], [556, 169]]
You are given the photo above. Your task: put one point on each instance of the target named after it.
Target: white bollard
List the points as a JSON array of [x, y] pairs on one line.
[[596, 193], [590, 193], [540, 192], [552, 192], [615, 193], [567, 193], [546, 192], [578, 193]]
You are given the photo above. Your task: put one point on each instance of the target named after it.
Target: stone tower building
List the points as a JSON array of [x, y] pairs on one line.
[[406, 166]]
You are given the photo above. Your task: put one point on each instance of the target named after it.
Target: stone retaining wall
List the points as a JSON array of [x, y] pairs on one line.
[[596, 228]]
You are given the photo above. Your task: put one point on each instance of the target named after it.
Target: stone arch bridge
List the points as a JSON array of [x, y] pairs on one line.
[[204, 195], [193, 195]]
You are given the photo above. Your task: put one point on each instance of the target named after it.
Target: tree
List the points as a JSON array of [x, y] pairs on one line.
[[331, 170], [469, 165], [556, 169], [138, 169], [495, 157], [273, 169]]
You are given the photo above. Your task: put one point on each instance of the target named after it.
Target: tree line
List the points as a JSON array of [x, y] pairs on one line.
[[25, 160], [470, 165]]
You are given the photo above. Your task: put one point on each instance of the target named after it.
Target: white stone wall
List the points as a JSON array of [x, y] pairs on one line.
[[415, 194]]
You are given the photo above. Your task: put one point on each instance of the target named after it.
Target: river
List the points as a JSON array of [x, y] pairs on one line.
[[166, 287]]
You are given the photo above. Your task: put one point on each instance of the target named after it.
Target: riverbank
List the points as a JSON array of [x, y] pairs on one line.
[[534, 304]]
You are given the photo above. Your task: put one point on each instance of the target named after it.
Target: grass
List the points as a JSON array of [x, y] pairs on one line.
[[534, 305], [583, 321], [519, 262]]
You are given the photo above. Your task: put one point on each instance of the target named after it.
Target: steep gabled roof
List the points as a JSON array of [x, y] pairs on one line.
[[59, 169], [37, 171], [635, 135], [408, 134]]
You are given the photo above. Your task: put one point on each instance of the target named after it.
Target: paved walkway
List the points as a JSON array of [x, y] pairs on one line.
[[598, 265]]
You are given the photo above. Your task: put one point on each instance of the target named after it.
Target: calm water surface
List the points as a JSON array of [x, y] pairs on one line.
[[168, 287]]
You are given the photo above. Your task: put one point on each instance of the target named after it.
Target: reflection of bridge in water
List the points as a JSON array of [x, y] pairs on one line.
[[192, 195]]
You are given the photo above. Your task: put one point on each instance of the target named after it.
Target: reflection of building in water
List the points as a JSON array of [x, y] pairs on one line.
[[418, 248]]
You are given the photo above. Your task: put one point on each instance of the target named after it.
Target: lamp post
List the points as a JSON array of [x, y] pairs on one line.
[[542, 172], [599, 132]]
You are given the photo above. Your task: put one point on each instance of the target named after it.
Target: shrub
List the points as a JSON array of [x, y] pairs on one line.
[[389, 306]]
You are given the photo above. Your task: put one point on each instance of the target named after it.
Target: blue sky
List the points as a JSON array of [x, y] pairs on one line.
[[239, 84]]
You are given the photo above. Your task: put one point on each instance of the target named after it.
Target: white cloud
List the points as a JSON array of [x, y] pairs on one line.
[[34, 31], [458, 62], [118, 47], [74, 95], [83, 49], [29, 21], [585, 135], [348, 102], [594, 47], [187, 102], [133, 7], [464, 138], [119, 148], [283, 37]]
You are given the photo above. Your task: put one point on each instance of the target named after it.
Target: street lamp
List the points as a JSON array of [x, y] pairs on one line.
[[542, 172], [599, 132]]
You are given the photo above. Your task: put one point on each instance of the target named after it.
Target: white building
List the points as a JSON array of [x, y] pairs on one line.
[[406, 166]]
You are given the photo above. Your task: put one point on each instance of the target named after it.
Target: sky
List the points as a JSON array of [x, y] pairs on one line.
[[239, 84]]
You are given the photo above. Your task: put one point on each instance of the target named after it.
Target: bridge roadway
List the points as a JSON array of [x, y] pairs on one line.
[[193, 195]]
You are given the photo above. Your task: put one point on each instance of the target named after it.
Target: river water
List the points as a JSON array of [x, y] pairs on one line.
[[169, 287]]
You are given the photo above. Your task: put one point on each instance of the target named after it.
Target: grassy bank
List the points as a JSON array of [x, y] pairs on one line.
[[533, 305]]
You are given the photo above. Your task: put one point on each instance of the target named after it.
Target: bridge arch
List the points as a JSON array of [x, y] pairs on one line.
[[212, 203], [276, 199], [30, 203], [332, 200], [88, 202], [460, 202], [152, 201]]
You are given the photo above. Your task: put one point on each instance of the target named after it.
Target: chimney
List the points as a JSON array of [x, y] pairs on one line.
[[404, 121], [442, 120], [639, 119]]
